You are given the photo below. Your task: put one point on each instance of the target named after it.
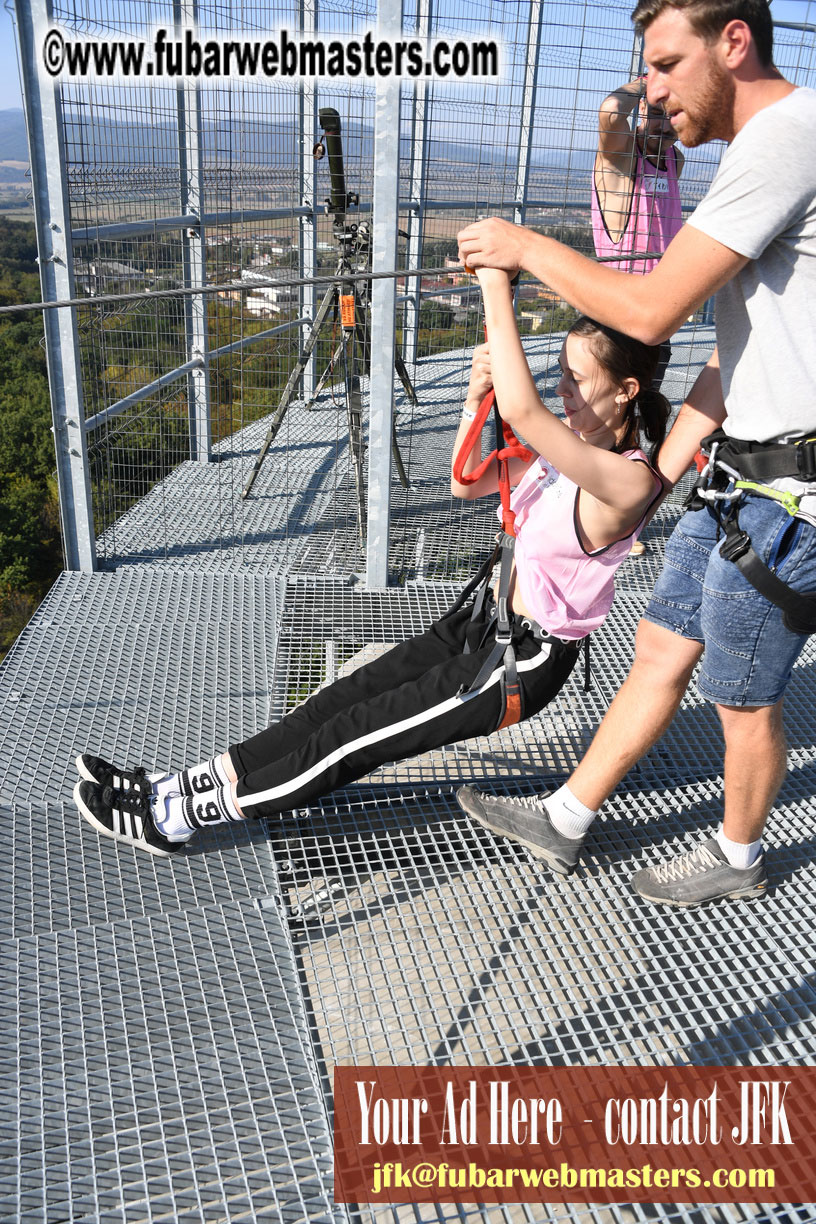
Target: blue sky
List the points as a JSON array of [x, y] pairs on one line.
[[10, 95]]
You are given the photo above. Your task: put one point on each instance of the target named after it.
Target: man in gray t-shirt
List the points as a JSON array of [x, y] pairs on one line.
[[752, 241], [762, 204]]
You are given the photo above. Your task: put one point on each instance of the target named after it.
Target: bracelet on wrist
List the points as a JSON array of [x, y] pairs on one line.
[[467, 415]]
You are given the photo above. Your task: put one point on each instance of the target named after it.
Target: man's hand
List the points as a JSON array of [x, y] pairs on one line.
[[493, 244]]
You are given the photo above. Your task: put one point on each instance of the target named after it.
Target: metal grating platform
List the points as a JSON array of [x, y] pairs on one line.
[[58, 875], [425, 940], [166, 667], [379, 925], [156, 1069]]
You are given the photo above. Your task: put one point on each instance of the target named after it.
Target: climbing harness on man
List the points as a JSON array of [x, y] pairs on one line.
[[734, 469]]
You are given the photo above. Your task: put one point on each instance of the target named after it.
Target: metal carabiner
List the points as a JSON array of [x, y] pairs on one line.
[[717, 495]]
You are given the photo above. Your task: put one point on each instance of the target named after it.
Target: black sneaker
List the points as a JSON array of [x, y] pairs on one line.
[[123, 815], [700, 875], [95, 769], [525, 821]]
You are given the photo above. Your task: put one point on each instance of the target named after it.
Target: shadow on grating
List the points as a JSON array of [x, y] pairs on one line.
[[422, 938]]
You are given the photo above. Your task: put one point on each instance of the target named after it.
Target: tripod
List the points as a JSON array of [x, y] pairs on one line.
[[349, 298]]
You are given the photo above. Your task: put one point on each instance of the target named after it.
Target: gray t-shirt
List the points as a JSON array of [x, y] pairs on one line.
[[762, 203]]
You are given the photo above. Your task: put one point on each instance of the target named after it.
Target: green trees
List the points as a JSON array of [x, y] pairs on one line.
[[30, 552]]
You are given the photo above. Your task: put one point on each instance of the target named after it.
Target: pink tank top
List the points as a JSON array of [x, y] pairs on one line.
[[568, 590], [654, 217]]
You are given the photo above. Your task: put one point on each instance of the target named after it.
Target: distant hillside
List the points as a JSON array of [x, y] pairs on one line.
[[13, 174], [273, 143], [13, 143], [238, 143]]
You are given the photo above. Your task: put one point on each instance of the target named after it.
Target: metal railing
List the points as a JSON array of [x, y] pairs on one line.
[[157, 206]]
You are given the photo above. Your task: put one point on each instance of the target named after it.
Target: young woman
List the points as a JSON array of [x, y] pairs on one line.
[[580, 501]]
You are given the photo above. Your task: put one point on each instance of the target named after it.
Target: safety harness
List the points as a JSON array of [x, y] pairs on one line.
[[734, 468], [507, 447]]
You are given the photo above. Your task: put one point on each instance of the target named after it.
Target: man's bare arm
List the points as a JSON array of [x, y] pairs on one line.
[[616, 140], [702, 412], [649, 308]]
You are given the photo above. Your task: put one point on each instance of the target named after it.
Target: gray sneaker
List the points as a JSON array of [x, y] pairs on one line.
[[699, 875], [525, 821]]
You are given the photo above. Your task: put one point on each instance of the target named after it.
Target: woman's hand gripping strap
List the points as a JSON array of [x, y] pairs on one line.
[[511, 449], [507, 446]]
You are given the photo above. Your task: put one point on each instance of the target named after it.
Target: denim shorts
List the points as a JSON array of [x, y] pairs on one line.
[[749, 654]]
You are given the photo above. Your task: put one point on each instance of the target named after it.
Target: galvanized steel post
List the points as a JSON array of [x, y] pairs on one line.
[[191, 176], [41, 99], [307, 249], [418, 191], [385, 222], [528, 110]]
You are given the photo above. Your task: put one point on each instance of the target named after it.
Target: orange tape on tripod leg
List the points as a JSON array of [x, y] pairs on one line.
[[347, 309]]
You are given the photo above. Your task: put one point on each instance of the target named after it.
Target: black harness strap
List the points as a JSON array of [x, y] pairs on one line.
[[755, 461], [766, 461], [798, 611], [507, 447], [482, 576]]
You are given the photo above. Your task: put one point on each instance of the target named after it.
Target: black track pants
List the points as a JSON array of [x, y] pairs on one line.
[[402, 704]]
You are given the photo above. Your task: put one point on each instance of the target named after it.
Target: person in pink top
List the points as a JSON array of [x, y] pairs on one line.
[[635, 194], [581, 498], [635, 204]]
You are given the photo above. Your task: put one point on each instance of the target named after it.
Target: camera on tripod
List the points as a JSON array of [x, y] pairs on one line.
[[347, 301], [340, 200]]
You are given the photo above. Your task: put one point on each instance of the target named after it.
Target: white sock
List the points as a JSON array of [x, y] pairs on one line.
[[169, 819], [165, 785], [568, 815], [197, 780], [177, 817], [741, 855]]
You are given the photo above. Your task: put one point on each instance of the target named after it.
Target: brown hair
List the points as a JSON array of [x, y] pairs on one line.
[[709, 17], [621, 357]]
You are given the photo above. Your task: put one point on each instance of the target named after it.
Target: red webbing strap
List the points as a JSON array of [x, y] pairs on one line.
[[512, 710], [512, 449]]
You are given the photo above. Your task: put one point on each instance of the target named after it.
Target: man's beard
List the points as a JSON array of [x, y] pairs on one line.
[[712, 117]]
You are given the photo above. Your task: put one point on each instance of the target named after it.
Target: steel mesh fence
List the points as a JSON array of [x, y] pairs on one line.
[[378, 925], [184, 188]]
